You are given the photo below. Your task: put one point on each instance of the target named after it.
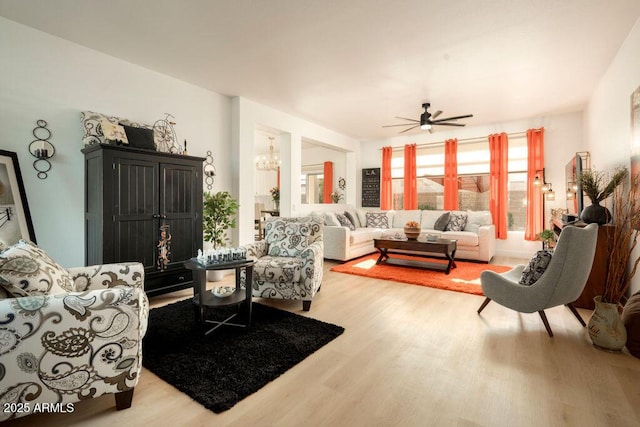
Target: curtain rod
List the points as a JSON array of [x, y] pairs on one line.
[[460, 141]]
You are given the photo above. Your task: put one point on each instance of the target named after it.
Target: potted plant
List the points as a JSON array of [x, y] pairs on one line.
[[275, 195], [605, 326], [218, 215], [598, 186], [548, 238], [336, 196]]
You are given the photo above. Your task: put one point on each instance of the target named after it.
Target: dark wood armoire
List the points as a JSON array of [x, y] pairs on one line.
[[144, 206]]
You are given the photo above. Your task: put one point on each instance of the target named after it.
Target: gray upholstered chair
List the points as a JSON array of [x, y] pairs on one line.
[[67, 335], [289, 260], [561, 283]]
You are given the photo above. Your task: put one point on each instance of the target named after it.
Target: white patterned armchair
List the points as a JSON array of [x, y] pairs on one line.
[[289, 260], [67, 335]]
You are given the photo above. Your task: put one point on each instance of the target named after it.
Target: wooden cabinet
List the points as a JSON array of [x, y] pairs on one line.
[[132, 196], [598, 275]]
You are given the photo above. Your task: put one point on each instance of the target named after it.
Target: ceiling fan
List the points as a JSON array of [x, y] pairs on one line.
[[427, 120]]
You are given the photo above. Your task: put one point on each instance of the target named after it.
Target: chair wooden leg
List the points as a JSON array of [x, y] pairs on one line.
[[546, 322], [124, 399], [575, 313], [484, 304], [306, 305]]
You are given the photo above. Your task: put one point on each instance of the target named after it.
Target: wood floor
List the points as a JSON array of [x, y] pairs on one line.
[[410, 356]]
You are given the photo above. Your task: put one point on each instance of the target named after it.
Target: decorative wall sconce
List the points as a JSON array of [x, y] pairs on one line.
[[209, 170], [42, 149], [545, 186]]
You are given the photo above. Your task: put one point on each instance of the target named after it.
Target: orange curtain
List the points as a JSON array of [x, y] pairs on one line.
[[386, 192], [535, 202], [498, 174], [327, 182], [410, 180], [451, 174]]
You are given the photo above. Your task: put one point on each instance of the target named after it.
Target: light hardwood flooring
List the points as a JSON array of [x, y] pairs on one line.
[[409, 356]]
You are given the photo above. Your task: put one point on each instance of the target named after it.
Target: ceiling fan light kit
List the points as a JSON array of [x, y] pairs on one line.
[[428, 120]]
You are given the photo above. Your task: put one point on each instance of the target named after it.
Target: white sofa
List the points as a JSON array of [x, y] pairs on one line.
[[476, 241]]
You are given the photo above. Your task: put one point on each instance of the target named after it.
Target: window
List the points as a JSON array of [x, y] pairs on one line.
[[473, 178], [517, 184]]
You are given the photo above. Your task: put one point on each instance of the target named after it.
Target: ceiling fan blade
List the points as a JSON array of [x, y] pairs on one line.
[[448, 124], [411, 120], [436, 114], [453, 118], [412, 127], [401, 124]]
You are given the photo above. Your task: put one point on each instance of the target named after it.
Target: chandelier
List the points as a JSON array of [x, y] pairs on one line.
[[270, 164]]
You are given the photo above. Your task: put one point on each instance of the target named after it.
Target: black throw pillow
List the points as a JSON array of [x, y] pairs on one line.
[[442, 221], [140, 137]]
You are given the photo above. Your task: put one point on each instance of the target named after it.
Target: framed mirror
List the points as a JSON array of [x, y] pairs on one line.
[[15, 218]]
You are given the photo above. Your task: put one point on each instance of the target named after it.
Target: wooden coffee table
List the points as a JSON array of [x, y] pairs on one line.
[[438, 249]]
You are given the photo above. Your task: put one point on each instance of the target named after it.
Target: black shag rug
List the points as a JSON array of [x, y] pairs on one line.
[[229, 364]]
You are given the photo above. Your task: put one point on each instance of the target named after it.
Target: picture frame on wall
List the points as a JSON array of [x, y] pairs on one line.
[[635, 132], [15, 217]]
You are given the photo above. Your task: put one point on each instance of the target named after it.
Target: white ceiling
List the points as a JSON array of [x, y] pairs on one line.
[[352, 65]]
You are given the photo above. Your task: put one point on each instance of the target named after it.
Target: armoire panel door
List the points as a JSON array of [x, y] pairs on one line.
[[135, 212], [178, 205]]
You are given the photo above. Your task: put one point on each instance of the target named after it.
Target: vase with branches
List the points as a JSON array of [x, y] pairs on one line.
[[623, 240], [598, 186], [606, 329]]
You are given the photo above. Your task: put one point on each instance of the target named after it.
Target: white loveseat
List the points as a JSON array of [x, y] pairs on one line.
[[476, 241]]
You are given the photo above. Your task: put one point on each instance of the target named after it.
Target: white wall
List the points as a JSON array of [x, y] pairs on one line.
[[608, 115], [563, 138], [248, 116], [45, 77]]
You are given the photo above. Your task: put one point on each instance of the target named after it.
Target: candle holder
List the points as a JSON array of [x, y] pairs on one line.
[[209, 170], [42, 149]]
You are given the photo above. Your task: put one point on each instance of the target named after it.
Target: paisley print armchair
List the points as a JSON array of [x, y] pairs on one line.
[[60, 348], [289, 260]]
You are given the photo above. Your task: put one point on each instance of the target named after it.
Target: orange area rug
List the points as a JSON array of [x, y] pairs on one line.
[[465, 278]]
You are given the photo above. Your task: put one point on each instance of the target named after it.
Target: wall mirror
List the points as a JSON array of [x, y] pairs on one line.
[[314, 154]]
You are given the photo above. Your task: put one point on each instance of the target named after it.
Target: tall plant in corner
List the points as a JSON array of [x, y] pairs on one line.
[[218, 215]]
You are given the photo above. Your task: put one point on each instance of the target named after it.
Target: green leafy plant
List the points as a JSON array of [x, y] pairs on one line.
[[599, 185], [218, 215], [336, 197], [547, 236]]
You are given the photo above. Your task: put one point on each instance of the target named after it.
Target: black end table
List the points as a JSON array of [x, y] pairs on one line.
[[203, 298]]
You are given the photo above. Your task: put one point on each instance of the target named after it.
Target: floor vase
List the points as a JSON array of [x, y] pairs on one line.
[[606, 329]]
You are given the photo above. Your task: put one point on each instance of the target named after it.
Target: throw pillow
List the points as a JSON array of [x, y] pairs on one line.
[[353, 217], [92, 126], [26, 270], [140, 137], [377, 220], [476, 219], [536, 267], [442, 222], [457, 222], [113, 132], [330, 219], [345, 222], [288, 239]]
